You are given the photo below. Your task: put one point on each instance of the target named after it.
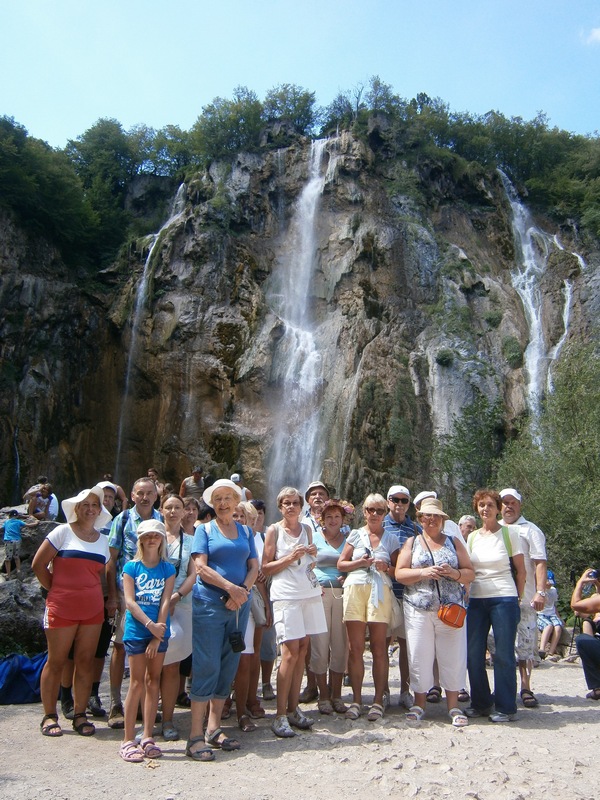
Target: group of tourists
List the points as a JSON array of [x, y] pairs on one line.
[[191, 589]]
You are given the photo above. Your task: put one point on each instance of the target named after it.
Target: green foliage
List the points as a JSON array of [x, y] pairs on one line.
[[512, 352], [292, 104], [493, 318], [444, 357], [226, 127], [40, 187], [465, 458], [556, 467]]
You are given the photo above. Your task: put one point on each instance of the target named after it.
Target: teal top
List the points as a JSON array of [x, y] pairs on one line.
[[326, 569]]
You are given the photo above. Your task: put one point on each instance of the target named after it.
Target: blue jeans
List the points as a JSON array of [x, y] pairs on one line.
[[502, 614], [214, 663]]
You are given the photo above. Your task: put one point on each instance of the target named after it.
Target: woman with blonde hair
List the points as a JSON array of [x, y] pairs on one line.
[[289, 557], [433, 567], [369, 558]]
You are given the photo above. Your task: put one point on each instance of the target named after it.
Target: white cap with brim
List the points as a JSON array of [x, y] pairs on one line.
[[422, 495], [107, 485], [68, 507], [314, 485], [151, 526], [512, 492], [398, 489], [235, 477], [222, 483]]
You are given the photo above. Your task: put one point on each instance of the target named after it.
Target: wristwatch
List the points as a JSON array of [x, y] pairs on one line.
[[541, 593]]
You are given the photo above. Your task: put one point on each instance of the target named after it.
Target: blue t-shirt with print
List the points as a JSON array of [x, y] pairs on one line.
[[228, 557], [149, 585]]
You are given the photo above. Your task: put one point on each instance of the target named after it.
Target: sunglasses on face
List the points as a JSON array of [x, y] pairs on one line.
[[379, 511], [397, 500]]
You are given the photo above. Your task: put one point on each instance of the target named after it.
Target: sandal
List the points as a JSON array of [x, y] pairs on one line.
[[203, 754], [52, 729], [325, 707], [375, 712], [220, 741], [338, 705], [84, 728], [528, 699], [183, 700], [593, 695], [170, 732], [415, 714], [353, 711], [246, 724], [434, 695], [256, 711], [150, 748], [463, 696], [459, 720], [131, 752]]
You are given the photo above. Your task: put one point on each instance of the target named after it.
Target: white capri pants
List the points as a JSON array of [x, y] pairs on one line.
[[428, 639], [330, 649]]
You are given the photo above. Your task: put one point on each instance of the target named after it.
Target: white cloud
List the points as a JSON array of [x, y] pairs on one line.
[[593, 37]]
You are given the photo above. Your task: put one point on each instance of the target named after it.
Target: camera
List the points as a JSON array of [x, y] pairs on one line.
[[236, 640]]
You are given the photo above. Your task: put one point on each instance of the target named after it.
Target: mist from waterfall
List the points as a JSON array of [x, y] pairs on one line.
[[141, 297], [295, 455]]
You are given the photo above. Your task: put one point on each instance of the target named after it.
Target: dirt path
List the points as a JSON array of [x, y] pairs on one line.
[[550, 752]]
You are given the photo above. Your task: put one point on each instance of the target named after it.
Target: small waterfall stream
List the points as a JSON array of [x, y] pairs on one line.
[[296, 370], [139, 307]]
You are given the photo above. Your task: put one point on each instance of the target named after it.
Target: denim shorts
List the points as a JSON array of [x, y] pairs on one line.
[[135, 647]]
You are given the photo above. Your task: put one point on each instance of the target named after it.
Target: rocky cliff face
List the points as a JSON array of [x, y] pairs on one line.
[[411, 309]]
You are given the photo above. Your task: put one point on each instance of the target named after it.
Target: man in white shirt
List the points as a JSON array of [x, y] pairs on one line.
[[533, 545]]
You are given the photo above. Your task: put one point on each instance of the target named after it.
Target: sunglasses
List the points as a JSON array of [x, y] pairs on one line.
[[404, 500], [379, 511]]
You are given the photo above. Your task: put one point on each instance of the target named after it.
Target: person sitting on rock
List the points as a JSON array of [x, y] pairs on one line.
[[39, 504]]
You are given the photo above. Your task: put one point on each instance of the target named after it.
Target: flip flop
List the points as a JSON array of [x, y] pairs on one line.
[[226, 743]]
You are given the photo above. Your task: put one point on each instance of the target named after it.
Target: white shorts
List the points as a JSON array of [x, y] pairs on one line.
[[295, 619], [249, 636]]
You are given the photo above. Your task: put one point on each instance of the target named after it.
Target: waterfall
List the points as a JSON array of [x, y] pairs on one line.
[[17, 486], [139, 307], [296, 370], [566, 317]]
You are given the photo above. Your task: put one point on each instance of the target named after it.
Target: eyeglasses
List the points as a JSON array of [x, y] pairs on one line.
[[404, 500], [379, 511], [430, 516], [290, 502]]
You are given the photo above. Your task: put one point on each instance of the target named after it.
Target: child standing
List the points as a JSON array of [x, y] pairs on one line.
[[148, 585], [549, 623]]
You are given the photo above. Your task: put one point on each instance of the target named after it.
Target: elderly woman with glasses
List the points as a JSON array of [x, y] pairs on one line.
[[369, 558], [289, 557], [433, 566]]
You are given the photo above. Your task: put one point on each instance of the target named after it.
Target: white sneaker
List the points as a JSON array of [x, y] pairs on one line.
[[407, 700], [281, 727]]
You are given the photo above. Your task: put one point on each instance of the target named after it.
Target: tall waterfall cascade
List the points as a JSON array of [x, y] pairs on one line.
[[141, 298], [533, 248], [297, 364]]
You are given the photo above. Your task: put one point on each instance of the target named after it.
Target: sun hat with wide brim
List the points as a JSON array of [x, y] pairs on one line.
[[68, 507], [432, 506], [222, 483]]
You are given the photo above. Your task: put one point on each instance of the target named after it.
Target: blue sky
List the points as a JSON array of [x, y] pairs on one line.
[[65, 64]]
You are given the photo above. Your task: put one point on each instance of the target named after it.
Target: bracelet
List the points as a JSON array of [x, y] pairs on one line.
[[459, 575], [180, 595], [149, 622]]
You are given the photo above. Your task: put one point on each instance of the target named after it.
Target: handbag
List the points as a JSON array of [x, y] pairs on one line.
[[257, 608], [452, 614]]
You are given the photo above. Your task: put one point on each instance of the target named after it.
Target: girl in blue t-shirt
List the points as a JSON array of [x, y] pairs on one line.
[[148, 585]]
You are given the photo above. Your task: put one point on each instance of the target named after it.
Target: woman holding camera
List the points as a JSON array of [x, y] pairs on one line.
[[289, 557], [588, 646], [224, 555]]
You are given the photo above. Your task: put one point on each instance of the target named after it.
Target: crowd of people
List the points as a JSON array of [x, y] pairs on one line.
[[194, 592]]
